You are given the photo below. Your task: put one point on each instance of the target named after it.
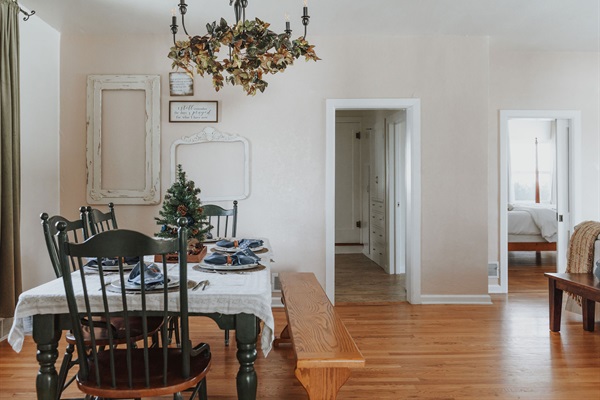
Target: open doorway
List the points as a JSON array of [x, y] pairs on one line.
[[538, 181], [370, 206], [410, 218]]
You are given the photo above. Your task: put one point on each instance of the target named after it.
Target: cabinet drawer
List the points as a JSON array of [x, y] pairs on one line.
[[377, 220], [377, 206]]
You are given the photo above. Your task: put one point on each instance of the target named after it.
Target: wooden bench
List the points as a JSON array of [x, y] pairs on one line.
[[324, 349], [585, 285]]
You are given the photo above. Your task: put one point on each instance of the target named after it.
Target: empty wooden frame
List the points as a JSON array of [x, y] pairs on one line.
[[123, 139]]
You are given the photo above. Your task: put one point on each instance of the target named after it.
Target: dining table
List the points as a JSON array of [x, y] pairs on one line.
[[235, 299]]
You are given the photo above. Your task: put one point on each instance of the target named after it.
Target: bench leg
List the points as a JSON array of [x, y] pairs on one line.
[[322, 383], [555, 299], [284, 337], [588, 309]]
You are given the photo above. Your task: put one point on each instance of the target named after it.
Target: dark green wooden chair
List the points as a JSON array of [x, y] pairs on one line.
[[131, 371], [77, 231], [101, 221], [218, 221]]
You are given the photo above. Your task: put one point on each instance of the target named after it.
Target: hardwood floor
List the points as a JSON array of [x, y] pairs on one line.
[[499, 351], [360, 280]]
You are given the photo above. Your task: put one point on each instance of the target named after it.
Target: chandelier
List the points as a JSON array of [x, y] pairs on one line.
[[252, 49]]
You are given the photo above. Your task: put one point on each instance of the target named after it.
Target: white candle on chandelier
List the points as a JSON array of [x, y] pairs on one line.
[[287, 21], [305, 9], [173, 17]]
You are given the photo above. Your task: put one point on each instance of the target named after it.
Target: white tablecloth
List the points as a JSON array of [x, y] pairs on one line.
[[231, 293]]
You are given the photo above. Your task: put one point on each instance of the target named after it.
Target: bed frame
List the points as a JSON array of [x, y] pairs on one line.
[[531, 246]]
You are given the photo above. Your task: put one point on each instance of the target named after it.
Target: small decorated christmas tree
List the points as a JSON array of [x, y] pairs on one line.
[[182, 200]]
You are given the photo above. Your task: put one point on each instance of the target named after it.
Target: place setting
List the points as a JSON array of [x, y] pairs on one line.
[[111, 264], [234, 245], [236, 260], [154, 280]]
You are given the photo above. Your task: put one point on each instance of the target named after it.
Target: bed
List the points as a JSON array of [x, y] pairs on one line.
[[532, 228]]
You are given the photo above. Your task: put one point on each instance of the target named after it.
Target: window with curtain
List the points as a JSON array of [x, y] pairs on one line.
[[532, 147]]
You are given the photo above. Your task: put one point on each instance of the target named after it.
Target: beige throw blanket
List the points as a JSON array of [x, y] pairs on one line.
[[581, 257]]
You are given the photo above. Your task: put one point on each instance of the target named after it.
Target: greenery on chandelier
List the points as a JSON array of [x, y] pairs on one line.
[[182, 200], [254, 51]]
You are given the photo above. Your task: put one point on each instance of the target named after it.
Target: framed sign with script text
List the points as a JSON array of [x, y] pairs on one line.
[[193, 111]]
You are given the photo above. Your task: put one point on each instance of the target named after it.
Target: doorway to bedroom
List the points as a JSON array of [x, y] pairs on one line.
[[537, 191]]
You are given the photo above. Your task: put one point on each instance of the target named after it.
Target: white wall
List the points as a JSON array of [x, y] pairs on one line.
[[286, 129], [40, 99], [546, 81]]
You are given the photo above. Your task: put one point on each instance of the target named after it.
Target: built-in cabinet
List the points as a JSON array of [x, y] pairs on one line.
[[377, 219]]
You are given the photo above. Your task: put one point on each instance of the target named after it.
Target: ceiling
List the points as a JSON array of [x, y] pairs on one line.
[[561, 25]]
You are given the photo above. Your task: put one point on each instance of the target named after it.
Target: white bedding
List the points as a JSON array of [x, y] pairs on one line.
[[533, 220]]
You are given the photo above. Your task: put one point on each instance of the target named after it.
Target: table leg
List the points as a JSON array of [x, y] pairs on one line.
[[246, 335], [46, 336], [588, 311], [555, 296]]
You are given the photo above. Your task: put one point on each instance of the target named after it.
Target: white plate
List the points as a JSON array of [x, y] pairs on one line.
[[173, 282], [221, 267], [236, 249]]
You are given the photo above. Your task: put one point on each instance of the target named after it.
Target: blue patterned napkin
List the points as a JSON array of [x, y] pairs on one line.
[[241, 257], [152, 275]]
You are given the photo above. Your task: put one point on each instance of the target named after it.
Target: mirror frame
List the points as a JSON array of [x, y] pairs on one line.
[[211, 135], [150, 84]]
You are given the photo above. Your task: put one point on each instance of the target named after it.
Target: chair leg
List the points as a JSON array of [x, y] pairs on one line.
[[177, 396], [203, 390], [200, 390], [226, 337], [65, 366], [174, 330]]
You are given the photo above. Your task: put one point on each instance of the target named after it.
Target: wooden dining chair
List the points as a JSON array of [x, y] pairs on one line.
[[218, 220], [76, 232], [101, 221], [220, 216], [131, 371]]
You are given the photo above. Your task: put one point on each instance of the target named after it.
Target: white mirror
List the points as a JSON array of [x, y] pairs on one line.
[[123, 139], [217, 162]]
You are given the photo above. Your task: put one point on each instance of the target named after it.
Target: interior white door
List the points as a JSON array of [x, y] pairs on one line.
[[348, 209], [562, 192]]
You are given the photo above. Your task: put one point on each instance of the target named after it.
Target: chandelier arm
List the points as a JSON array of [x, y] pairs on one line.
[[183, 11], [244, 5], [305, 19]]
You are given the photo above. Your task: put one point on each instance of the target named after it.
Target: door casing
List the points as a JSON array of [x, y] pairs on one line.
[[574, 117], [413, 197]]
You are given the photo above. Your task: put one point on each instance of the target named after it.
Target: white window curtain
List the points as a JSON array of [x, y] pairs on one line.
[[525, 156]]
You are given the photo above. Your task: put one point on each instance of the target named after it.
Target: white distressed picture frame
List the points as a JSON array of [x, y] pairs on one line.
[[149, 192], [211, 135]]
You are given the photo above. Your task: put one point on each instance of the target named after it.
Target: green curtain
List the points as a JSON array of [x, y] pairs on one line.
[[10, 160]]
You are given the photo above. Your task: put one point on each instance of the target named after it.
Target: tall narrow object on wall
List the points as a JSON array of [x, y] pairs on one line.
[[123, 119], [253, 49]]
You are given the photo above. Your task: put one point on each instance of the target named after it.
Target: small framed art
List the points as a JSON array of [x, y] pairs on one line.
[[181, 84], [193, 111]]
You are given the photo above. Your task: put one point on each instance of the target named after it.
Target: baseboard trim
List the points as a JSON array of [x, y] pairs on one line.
[[276, 302], [455, 299], [496, 289]]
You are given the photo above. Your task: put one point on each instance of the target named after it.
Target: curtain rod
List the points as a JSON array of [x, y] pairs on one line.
[[27, 14]]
